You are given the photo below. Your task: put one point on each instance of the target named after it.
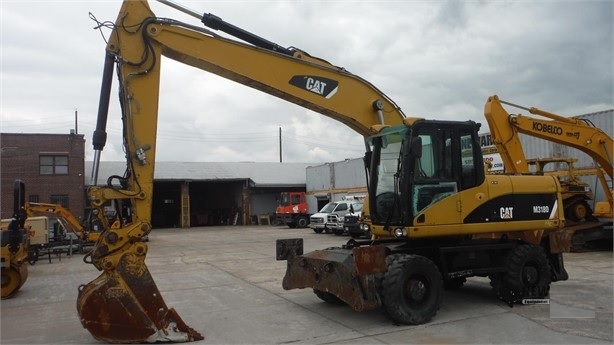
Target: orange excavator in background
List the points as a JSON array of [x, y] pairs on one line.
[[428, 194]]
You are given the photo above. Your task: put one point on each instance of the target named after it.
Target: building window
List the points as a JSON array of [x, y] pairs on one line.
[[54, 165], [33, 198], [61, 200]]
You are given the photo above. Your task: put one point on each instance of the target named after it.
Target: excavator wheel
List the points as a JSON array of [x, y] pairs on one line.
[[578, 211], [411, 289], [528, 275], [124, 305], [12, 279]]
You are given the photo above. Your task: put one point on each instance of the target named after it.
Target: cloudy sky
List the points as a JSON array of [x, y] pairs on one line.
[[435, 59]]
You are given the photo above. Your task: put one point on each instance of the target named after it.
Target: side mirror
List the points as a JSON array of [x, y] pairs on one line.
[[351, 208], [416, 147]]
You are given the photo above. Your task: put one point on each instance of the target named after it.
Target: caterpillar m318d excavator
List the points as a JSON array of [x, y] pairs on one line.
[[437, 216]]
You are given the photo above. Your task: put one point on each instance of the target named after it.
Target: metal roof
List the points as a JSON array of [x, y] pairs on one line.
[[261, 174]]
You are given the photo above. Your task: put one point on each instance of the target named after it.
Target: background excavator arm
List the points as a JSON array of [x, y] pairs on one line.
[[135, 311], [571, 132]]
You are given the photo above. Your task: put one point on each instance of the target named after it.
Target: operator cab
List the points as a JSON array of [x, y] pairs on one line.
[[413, 166]]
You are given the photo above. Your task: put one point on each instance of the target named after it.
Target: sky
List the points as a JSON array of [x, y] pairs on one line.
[[435, 59]]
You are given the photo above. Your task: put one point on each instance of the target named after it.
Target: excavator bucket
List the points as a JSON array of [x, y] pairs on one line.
[[345, 272], [124, 305]]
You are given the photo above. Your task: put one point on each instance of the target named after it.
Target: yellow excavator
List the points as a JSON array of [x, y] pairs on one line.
[[436, 216], [14, 249], [569, 131], [65, 217]]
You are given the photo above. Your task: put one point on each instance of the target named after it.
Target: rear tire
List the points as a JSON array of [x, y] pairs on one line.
[[411, 289], [528, 275], [302, 222]]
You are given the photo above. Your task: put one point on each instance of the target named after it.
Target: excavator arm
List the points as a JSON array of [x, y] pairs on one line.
[[571, 132], [123, 305]]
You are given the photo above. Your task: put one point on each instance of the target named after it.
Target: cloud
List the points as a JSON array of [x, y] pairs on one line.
[[438, 60]]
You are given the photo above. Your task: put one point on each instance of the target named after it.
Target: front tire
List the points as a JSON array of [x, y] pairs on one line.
[[411, 289]]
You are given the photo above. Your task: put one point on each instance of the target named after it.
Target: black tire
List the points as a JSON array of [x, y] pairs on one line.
[[318, 231], [454, 283], [578, 210], [528, 275], [328, 297], [302, 222], [411, 289], [338, 232]]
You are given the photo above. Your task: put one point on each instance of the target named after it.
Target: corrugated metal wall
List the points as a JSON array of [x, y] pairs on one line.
[[334, 181]]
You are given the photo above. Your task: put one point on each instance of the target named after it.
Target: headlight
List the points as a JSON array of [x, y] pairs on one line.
[[364, 227], [400, 232]]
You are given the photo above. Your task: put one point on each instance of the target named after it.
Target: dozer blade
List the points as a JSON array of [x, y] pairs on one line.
[[13, 278], [124, 305]]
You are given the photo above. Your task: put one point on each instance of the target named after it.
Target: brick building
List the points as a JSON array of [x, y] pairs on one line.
[[51, 165]]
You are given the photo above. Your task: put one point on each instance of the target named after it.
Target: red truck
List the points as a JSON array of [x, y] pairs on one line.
[[292, 210]]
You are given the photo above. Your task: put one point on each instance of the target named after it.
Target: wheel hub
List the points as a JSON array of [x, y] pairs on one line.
[[416, 290], [530, 275]]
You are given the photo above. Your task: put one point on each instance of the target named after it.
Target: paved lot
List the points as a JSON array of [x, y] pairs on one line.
[[226, 283]]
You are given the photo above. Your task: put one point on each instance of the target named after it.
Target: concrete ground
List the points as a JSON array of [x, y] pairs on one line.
[[226, 284]]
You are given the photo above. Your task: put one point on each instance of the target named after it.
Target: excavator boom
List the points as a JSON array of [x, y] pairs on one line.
[[571, 132], [123, 305]]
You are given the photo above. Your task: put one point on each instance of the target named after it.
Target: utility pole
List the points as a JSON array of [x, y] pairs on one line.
[[280, 160], [76, 129]]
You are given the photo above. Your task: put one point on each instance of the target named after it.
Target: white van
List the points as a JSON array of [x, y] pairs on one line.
[[319, 221]]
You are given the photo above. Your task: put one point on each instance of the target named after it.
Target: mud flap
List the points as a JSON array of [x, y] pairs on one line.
[[349, 274], [124, 305]]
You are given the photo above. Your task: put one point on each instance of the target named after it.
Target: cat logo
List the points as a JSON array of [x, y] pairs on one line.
[[319, 85], [316, 86], [506, 212]]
